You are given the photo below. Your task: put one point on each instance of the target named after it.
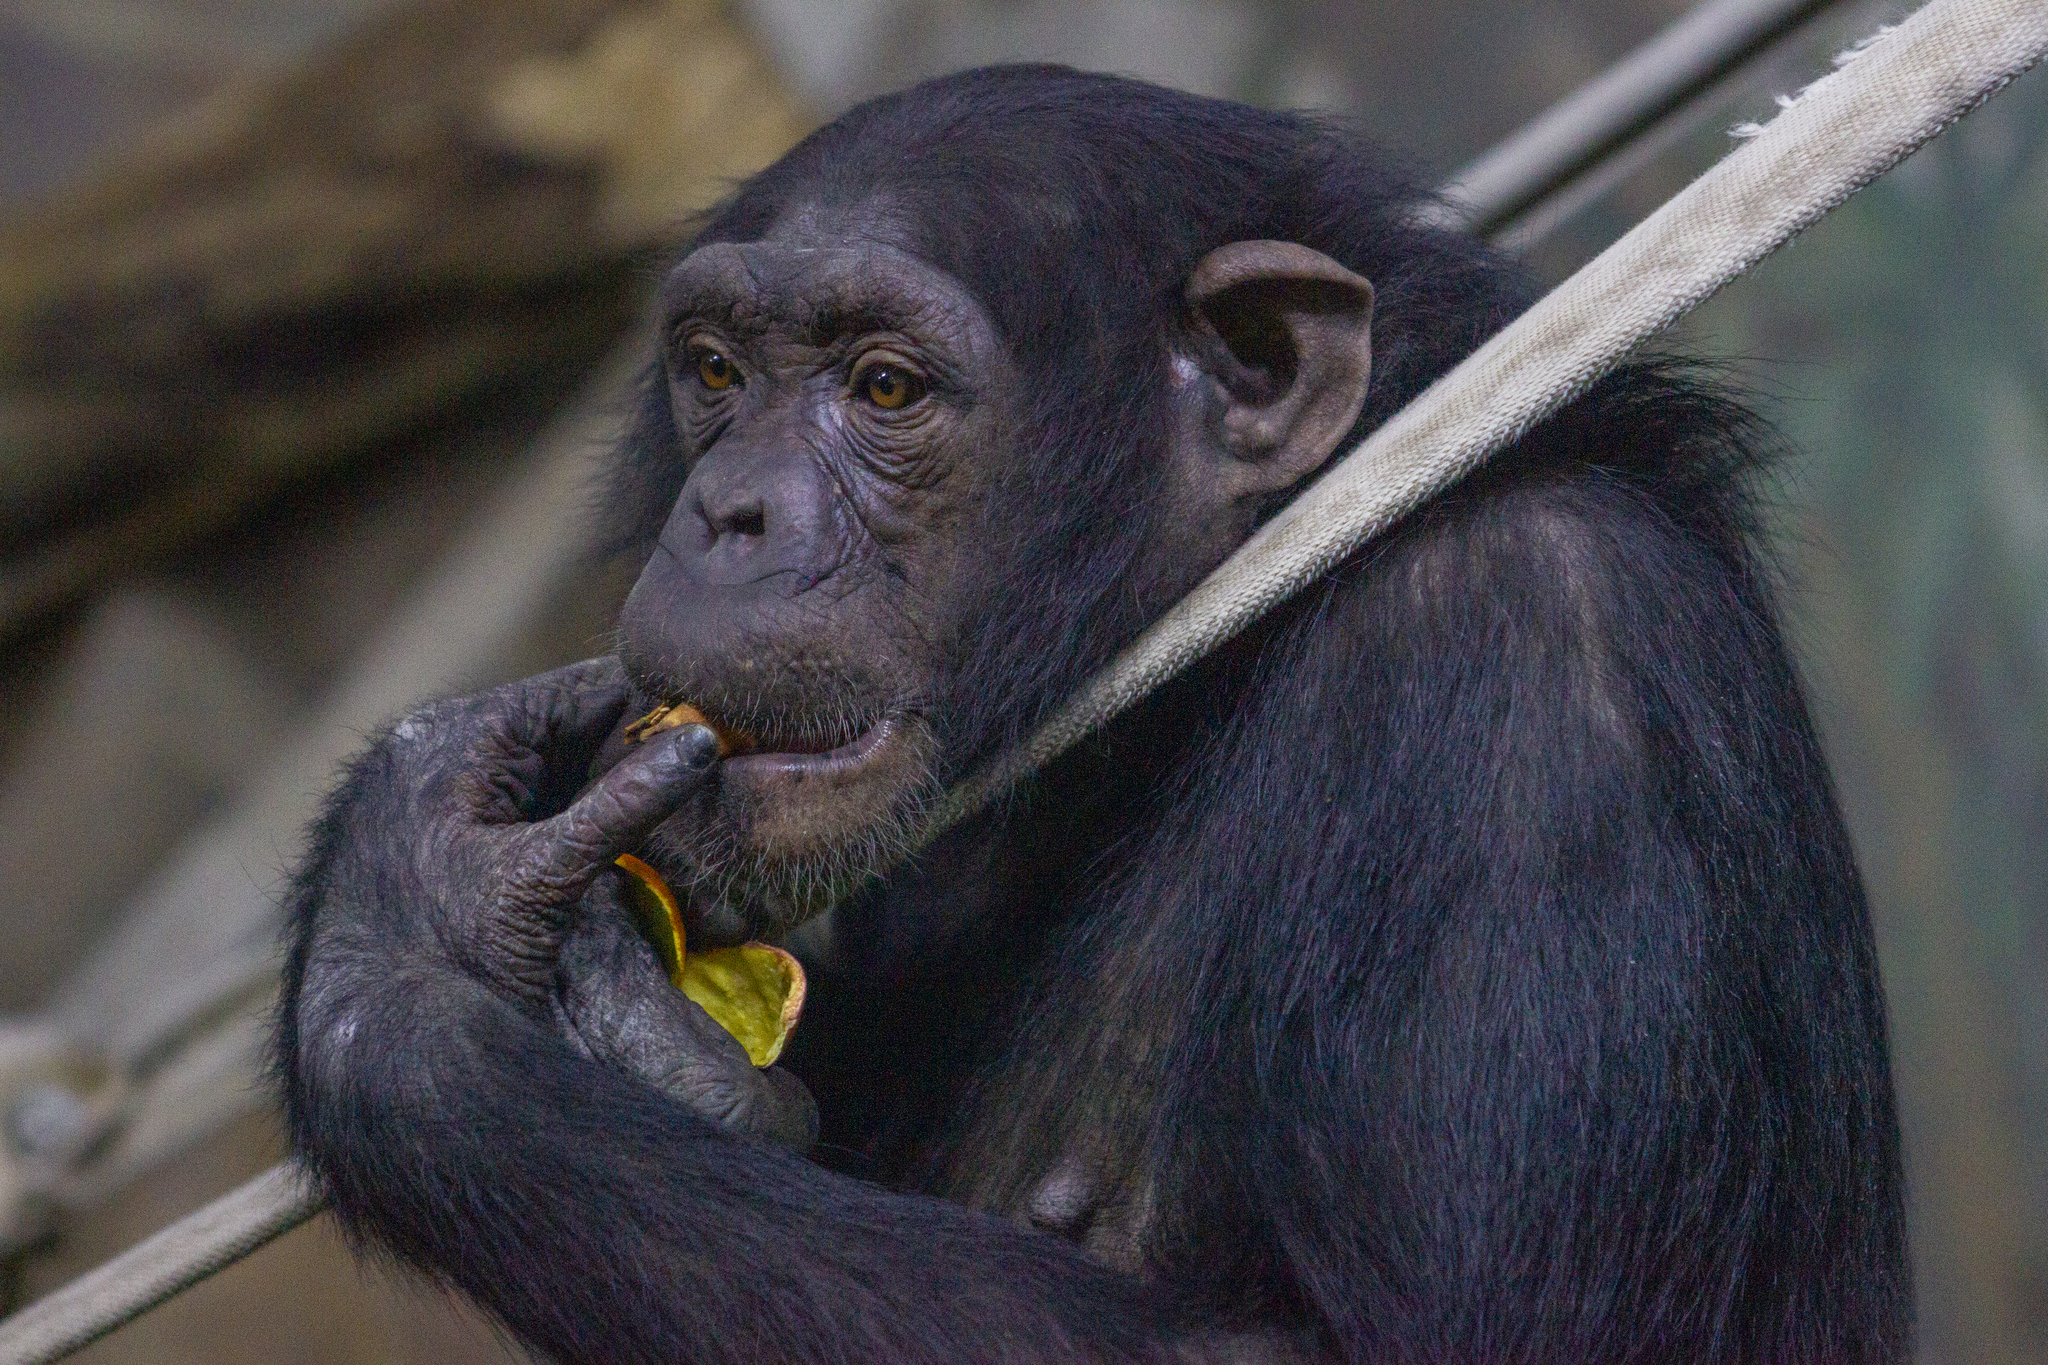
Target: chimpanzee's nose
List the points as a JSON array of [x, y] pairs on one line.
[[748, 516], [732, 543], [744, 514]]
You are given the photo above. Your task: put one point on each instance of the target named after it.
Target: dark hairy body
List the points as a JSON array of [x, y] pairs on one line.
[[1466, 964]]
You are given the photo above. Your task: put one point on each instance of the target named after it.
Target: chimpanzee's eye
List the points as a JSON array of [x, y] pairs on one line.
[[889, 386], [714, 371]]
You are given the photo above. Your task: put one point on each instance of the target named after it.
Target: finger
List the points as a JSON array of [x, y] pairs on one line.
[[788, 1114], [621, 808], [604, 950], [626, 1012], [619, 1008], [523, 749], [566, 713]]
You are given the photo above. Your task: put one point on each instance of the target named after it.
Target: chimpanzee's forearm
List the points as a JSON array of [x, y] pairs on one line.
[[604, 1222]]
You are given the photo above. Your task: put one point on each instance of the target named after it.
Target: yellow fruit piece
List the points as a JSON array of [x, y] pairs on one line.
[[655, 912], [754, 991], [672, 716]]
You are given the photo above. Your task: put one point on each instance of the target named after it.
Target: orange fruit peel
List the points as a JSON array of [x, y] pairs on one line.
[[673, 715], [755, 991]]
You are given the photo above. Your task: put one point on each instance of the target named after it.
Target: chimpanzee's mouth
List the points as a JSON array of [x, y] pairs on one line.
[[801, 815], [750, 737], [809, 750]]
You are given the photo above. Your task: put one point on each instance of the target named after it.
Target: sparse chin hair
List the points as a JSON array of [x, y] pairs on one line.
[[736, 879]]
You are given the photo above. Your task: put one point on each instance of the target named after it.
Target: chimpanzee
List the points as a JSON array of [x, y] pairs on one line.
[[1466, 964]]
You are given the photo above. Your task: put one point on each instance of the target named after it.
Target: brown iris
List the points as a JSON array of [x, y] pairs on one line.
[[714, 371], [890, 386]]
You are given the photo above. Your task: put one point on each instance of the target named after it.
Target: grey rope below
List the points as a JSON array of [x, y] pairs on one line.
[[160, 1267], [1841, 133]]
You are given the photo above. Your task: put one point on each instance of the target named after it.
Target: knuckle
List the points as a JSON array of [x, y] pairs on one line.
[[423, 726], [601, 673], [433, 744], [580, 836]]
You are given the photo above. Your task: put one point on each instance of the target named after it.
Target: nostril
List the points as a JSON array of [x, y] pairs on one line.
[[748, 519]]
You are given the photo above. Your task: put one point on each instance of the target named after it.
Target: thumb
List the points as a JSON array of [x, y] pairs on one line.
[[622, 807]]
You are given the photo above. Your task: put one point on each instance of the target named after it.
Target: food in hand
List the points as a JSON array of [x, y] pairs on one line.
[[679, 713], [754, 991]]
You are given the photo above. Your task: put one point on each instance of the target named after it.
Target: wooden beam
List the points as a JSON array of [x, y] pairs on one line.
[[448, 209]]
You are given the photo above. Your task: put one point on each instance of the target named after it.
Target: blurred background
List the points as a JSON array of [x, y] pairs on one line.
[[311, 323]]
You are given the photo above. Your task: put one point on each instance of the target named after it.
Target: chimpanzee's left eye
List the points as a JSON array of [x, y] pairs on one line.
[[714, 371], [889, 386]]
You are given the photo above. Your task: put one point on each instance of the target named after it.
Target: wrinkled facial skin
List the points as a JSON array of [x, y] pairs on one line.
[[835, 401]]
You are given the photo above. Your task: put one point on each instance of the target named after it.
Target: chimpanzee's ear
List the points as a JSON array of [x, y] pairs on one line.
[[1285, 334]]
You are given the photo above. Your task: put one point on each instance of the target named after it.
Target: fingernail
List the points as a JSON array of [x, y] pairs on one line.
[[697, 745]]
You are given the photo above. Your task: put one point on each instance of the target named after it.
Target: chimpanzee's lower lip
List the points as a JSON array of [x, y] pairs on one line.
[[847, 758]]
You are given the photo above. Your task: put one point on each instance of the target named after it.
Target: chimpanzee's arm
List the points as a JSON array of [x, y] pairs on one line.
[[603, 1220]]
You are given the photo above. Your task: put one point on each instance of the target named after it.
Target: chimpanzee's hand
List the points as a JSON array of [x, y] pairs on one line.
[[460, 784], [620, 1007], [468, 805]]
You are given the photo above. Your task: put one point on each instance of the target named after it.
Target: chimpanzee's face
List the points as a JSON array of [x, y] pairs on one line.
[[833, 397], [846, 412]]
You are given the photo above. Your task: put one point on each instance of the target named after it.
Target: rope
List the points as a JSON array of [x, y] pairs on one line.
[[1842, 132], [1890, 96], [159, 1267]]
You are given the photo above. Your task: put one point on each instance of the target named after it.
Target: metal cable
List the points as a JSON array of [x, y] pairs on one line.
[[1841, 133], [1623, 102]]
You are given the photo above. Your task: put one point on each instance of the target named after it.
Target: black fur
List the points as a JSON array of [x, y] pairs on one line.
[[1466, 965]]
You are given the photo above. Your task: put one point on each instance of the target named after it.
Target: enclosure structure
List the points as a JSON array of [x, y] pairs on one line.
[[1534, 366]]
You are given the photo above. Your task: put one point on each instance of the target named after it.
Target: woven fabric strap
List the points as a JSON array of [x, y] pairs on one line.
[[1839, 135], [1845, 130]]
